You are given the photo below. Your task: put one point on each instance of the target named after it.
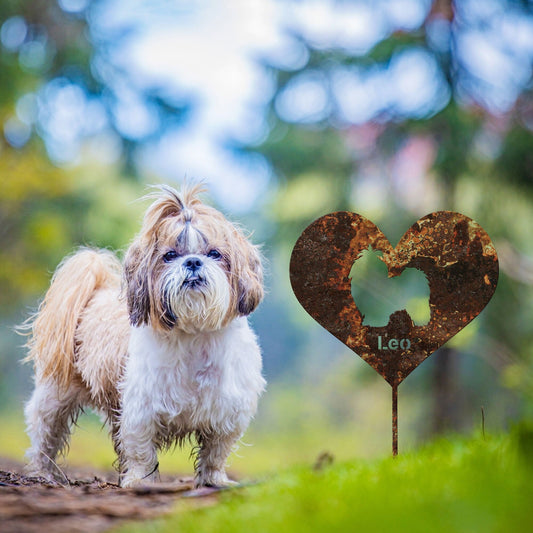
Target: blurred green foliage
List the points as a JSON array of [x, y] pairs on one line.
[[46, 209]]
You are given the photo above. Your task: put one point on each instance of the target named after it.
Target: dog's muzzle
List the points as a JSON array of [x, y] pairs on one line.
[[194, 271]]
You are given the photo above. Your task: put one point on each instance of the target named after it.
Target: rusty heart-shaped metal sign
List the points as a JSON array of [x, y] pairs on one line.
[[455, 253]]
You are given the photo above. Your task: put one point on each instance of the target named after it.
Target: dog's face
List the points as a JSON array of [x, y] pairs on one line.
[[189, 268]]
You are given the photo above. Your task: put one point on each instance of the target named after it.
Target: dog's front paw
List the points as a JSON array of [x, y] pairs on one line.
[[137, 477], [130, 482], [213, 478]]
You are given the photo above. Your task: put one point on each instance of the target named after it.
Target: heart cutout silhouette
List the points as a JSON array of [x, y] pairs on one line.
[[455, 253]]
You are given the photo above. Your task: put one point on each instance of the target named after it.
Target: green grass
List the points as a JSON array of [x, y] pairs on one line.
[[457, 485]]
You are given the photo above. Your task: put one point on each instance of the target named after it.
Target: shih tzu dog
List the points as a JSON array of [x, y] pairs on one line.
[[160, 346]]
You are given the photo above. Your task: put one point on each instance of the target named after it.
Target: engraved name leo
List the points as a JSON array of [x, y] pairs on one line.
[[393, 344]]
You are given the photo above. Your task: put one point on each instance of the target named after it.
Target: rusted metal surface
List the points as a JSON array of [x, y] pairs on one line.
[[455, 253]]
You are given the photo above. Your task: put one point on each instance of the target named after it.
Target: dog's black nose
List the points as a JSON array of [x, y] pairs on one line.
[[193, 263]]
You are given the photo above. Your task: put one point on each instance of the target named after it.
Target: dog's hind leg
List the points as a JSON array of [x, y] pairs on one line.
[[119, 464], [49, 414]]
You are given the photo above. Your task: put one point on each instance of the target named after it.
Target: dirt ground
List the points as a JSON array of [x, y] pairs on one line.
[[87, 502]]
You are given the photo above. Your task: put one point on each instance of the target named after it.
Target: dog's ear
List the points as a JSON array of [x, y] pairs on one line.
[[140, 260], [250, 278], [136, 273]]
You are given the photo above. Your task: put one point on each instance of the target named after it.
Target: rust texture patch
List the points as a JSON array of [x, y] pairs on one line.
[[455, 253]]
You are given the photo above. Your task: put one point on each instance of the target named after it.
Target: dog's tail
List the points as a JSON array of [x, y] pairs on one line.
[[52, 329]]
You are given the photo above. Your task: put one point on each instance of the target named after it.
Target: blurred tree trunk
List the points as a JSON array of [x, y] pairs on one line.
[[446, 392]]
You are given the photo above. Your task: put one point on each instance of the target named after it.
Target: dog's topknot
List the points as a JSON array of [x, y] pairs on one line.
[[168, 202]]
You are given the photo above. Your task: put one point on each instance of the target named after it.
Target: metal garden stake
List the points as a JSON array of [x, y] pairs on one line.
[[456, 255]]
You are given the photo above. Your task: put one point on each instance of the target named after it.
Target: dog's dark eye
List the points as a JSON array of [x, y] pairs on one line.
[[170, 256], [214, 254]]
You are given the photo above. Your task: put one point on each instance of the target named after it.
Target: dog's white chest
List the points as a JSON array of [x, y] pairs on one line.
[[192, 382]]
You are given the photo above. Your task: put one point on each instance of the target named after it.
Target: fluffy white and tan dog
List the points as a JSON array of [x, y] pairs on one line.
[[172, 358]]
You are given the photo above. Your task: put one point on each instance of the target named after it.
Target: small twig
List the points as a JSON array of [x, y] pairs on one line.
[[153, 471], [483, 422], [58, 468], [324, 460]]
